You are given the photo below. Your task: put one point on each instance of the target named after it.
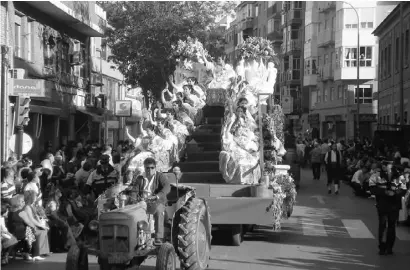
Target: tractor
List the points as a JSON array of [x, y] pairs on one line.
[[124, 236]]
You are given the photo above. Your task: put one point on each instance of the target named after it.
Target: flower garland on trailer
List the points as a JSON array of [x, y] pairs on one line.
[[189, 49], [256, 49]]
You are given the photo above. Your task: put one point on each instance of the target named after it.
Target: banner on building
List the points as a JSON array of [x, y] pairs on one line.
[[27, 87], [123, 108], [287, 104]]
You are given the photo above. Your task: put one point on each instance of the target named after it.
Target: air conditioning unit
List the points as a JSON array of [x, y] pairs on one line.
[[17, 73], [76, 58], [89, 100]]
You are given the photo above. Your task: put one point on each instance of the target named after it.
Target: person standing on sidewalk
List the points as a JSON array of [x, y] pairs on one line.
[[325, 148], [333, 161], [316, 160]]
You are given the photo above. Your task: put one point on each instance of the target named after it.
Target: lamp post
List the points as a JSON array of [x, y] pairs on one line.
[[105, 139], [358, 70]]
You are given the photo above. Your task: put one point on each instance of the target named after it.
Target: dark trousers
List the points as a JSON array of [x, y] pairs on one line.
[[316, 170], [159, 220], [388, 218], [333, 174]]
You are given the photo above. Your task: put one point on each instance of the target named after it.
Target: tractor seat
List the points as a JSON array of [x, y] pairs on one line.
[[172, 195]]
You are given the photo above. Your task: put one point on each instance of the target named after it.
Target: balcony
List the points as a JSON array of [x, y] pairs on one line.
[[325, 73], [292, 47], [326, 38], [310, 80], [295, 16], [293, 75], [75, 14], [327, 6], [245, 24]]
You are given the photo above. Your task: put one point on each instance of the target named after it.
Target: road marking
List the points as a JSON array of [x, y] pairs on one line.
[[403, 233], [357, 229], [319, 199], [311, 228]]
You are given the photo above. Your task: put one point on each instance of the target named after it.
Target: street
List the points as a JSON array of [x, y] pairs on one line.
[[324, 232]]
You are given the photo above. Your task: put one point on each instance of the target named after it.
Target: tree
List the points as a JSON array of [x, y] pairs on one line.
[[143, 33]]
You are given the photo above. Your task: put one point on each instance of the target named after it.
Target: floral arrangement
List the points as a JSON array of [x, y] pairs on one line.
[[284, 197], [189, 49], [257, 48]]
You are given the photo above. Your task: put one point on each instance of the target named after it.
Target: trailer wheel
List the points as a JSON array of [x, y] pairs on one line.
[[237, 235], [77, 258], [193, 237], [166, 258]]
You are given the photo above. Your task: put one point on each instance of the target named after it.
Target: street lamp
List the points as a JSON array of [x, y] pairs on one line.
[[105, 107], [358, 69]]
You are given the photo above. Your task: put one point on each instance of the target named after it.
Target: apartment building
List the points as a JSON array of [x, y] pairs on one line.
[[291, 71], [334, 102], [393, 68], [50, 43]]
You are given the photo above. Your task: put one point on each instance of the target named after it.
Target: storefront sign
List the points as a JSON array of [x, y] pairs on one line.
[[27, 87], [333, 118], [113, 124], [123, 108], [367, 117], [313, 119]]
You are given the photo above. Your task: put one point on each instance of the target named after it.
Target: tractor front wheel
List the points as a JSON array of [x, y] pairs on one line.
[[166, 258], [193, 240], [77, 258]]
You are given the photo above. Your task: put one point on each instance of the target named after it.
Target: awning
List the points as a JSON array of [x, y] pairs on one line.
[[95, 117], [47, 110], [73, 19]]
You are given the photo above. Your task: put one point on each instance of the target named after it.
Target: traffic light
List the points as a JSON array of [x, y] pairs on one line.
[[22, 111]]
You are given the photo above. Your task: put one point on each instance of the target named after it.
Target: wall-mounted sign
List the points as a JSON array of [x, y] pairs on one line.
[[333, 118], [27, 87], [367, 117], [123, 108], [287, 104]]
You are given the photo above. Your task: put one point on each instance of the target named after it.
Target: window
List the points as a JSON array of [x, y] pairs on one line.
[[325, 94], [297, 5], [365, 94], [366, 25], [314, 67], [350, 57], [65, 65], [271, 3], [307, 67], [294, 32], [382, 63], [18, 43], [319, 96], [337, 59], [406, 47], [388, 60], [405, 117], [397, 54], [351, 25], [83, 68], [29, 37], [345, 94], [256, 10], [319, 27], [366, 56], [271, 24], [326, 60], [332, 93], [296, 63], [340, 91], [249, 10]]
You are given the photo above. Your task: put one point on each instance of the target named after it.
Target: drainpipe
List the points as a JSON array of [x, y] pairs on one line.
[[401, 69]]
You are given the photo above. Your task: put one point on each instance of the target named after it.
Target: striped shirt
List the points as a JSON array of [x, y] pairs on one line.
[[7, 190]]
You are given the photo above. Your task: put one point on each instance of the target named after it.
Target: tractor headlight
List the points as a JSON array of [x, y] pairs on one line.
[[143, 225], [93, 225]]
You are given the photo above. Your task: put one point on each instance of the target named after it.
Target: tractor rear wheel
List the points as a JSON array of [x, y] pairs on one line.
[[77, 258], [193, 237], [166, 258]]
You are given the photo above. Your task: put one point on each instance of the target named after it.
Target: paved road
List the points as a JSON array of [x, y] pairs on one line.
[[325, 232]]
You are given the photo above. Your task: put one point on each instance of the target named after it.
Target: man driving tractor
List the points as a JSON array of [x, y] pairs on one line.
[[102, 178], [155, 185]]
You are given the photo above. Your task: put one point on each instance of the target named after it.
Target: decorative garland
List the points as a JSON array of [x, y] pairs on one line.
[[189, 49], [256, 49]]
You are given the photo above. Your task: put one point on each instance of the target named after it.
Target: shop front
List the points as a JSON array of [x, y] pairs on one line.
[[334, 127], [367, 124], [314, 122]]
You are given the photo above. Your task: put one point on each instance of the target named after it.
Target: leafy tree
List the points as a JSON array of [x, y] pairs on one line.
[[143, 33]]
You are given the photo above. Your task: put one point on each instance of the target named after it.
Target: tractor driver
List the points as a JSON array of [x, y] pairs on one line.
[[157, 187]]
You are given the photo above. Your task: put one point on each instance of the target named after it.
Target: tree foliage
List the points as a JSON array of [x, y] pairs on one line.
[[143, 34]]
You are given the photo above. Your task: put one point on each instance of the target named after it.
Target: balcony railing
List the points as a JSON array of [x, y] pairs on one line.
[[295, 16], [325, 73], [293, 45], [275, 35], [293, 74], [246, 24], [326, 38], [327, 6]]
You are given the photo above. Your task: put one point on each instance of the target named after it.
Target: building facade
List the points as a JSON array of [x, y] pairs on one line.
[[393, 68], [334, 101], [51, 42]]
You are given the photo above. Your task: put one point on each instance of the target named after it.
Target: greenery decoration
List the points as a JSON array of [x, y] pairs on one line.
[[189, 49], [257, 48], [284, 197]]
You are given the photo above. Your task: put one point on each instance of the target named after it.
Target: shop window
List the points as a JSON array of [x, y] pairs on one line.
[[365, 94]]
